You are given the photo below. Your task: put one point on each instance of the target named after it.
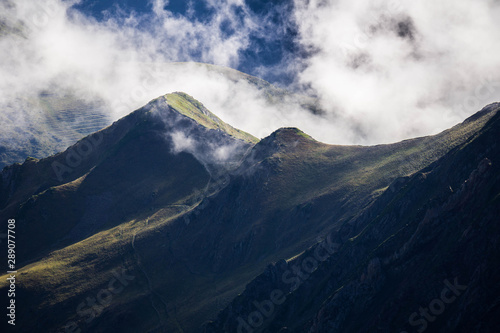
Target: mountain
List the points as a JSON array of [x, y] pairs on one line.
[[422, 257], [53, 119], [148, 145], [52, 114], [172, 220]]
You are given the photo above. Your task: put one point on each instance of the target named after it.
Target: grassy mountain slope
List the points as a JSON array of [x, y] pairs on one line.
[[433, 229], [190, 228], [188, 106], [130, 163]]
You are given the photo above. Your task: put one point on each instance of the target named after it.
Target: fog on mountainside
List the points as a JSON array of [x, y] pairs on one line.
[[380, 71]]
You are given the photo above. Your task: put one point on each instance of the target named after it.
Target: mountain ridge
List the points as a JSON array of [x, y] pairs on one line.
[[333, 306], [64, 116], [193, 228]]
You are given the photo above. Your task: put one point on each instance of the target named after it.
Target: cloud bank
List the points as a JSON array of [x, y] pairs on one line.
[[382, 70], [399, 69]]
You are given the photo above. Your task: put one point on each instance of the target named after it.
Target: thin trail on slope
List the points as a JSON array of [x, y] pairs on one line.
[[152, 292]]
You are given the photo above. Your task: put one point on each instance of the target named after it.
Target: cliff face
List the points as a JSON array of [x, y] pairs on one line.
[[422, 257]]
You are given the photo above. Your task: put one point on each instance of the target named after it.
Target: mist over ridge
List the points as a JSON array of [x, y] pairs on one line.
[[380, 71]]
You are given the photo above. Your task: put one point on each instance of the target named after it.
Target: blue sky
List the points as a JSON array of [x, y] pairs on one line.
[[272, 55]]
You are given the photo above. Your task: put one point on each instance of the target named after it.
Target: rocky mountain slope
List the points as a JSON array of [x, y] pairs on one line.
[[185, 212], [422, 257]]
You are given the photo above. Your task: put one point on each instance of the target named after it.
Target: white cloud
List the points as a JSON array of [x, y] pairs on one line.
[[182, 143], [375, 85], [401, 68]]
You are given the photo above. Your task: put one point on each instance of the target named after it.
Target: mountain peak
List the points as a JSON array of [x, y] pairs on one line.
[[287, 136], [189, 107], [288, 133], [283, 139]]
